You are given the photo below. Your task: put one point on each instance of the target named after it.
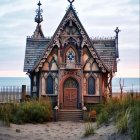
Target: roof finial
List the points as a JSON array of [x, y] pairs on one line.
[[70, 1], [39, 17], [117, 30]]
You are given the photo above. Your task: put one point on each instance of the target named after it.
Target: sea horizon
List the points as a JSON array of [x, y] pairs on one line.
[[130, 83]]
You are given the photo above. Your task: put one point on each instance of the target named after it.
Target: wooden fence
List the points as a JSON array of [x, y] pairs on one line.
[[12, 93]]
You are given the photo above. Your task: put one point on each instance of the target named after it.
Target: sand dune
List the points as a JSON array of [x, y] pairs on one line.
[[58, 131]]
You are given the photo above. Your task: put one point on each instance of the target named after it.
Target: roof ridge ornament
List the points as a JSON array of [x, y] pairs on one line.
[[70, 1], [39, 17], [117, 30]]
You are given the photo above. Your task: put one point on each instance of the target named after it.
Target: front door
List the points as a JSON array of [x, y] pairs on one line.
[[70, 94], [70, 98]]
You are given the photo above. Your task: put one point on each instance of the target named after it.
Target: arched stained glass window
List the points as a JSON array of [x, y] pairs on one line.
[[70, 55], [49, 85], [91, 86]]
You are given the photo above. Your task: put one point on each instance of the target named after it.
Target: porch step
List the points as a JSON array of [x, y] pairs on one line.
[[70, 115]]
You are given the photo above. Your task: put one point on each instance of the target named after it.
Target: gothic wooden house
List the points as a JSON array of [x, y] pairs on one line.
[[70, 67]]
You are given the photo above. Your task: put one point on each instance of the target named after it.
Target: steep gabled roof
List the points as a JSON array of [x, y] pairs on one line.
[[35, 46], [107, 51], [70, 15]]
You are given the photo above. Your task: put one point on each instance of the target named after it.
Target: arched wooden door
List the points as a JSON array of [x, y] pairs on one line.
[[70, 94]]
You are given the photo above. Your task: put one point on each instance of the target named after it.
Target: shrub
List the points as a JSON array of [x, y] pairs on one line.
[[89, 130], [97, 107], [92, 115], [26, 112], [5, 114], [33, 112]]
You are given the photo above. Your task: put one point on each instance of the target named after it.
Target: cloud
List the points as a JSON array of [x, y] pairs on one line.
[[99, 18]]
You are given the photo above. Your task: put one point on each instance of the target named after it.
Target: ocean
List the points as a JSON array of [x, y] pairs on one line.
[[129, 83]]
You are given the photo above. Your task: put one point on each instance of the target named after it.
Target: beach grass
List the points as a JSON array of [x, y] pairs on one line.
[[124, 112], [122, 121], [89, 129], [136, 121]]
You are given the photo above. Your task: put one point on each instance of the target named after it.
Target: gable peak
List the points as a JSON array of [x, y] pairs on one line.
[[70, 1]]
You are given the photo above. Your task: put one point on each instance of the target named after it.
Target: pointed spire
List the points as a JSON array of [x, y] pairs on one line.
[[38, 33], [39, 17], [70, 1]]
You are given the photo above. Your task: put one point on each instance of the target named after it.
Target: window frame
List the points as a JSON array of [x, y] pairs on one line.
[[52, 85], [67, 53], [93, 92]]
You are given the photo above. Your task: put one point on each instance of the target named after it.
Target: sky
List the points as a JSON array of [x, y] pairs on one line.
[[99, 18]]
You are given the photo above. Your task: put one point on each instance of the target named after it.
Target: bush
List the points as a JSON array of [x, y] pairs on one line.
[[96, 107], [33, 112], [6, 113], [89, 130], [26, 112], [92, 115]]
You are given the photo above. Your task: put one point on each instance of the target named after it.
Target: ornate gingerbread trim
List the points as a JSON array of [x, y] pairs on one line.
[[57, 41]]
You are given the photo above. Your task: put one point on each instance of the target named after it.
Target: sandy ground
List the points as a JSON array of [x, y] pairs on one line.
[[57, 131]]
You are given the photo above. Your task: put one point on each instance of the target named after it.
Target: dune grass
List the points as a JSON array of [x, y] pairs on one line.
[[124, 112], [122, 121], [136, 121], [89, 129]]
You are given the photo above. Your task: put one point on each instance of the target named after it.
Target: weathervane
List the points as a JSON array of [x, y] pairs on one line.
[[39, 17], [70, 1]]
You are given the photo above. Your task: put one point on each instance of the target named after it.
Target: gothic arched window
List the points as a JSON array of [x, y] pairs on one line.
[[70, 56], [91, 85], [50, 85]]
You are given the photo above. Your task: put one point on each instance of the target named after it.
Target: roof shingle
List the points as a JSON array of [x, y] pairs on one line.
[[34, 49], [107, 52]]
